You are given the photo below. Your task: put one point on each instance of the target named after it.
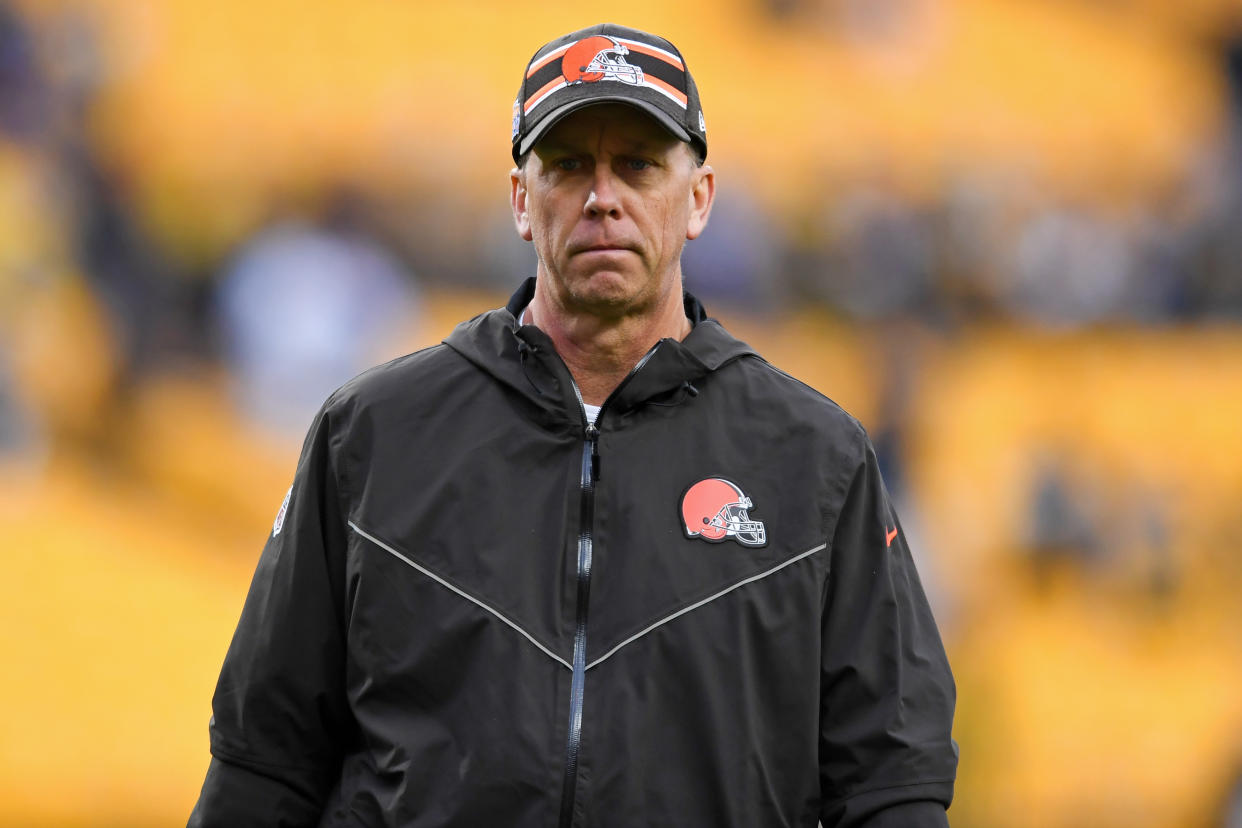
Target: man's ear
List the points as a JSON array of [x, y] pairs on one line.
[[517, 200], [702, 195]]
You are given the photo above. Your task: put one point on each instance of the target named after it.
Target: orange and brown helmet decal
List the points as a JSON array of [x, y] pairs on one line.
[[716, 509]]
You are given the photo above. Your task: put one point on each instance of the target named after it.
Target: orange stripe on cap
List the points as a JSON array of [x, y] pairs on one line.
[[546, 59], [548, 88], [642, 48], [671, 90]]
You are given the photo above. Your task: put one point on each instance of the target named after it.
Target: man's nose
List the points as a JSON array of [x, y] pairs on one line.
[[603, 199]]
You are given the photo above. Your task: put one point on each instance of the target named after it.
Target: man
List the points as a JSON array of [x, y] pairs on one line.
[[591, 561]]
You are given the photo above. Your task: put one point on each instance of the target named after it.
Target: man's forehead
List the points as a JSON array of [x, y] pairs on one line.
[[609, 121]]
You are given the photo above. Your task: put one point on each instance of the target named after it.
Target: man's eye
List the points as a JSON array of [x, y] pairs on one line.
[[568, 164], [638, 164]]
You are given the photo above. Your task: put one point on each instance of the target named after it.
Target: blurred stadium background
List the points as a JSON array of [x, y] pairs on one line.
[[1006, 234]]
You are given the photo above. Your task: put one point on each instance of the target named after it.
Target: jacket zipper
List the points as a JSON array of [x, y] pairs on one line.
[[586, 523]]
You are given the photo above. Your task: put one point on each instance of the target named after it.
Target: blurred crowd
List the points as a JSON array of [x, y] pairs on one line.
[[991, 248], [92, 301]]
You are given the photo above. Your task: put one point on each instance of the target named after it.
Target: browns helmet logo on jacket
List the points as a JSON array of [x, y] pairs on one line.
[[715, 510]]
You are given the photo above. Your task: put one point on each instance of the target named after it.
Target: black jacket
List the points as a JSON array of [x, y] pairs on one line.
[[480, 611]]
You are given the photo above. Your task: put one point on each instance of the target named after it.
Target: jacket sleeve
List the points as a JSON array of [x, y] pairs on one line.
[[279, 707], [887, 694]]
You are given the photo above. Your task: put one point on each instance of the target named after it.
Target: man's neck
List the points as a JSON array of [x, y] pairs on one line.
[[601, 352]]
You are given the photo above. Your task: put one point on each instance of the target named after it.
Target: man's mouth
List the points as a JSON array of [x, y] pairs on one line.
[[601, 248]]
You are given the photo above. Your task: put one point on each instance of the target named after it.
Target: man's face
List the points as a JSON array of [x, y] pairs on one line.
[[609, 198]]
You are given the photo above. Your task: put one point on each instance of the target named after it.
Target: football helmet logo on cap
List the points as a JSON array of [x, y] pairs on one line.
[[598, 58], [716, 510]]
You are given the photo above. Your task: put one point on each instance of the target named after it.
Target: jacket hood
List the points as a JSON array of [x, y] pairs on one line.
[[524, 358]]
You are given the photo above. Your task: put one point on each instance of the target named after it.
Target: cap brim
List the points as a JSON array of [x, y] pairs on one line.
[[555, 116]]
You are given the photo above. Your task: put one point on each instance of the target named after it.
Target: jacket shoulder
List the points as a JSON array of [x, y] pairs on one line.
[[799, 402], [399, 378]]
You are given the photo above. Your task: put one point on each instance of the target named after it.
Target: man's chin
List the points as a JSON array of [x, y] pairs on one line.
[[607, 285], [605, 292]]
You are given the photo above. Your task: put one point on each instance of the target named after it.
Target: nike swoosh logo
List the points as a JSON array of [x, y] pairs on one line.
[[889, 535]]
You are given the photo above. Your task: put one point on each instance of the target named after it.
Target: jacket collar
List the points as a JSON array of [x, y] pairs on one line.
[[523, 358]]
